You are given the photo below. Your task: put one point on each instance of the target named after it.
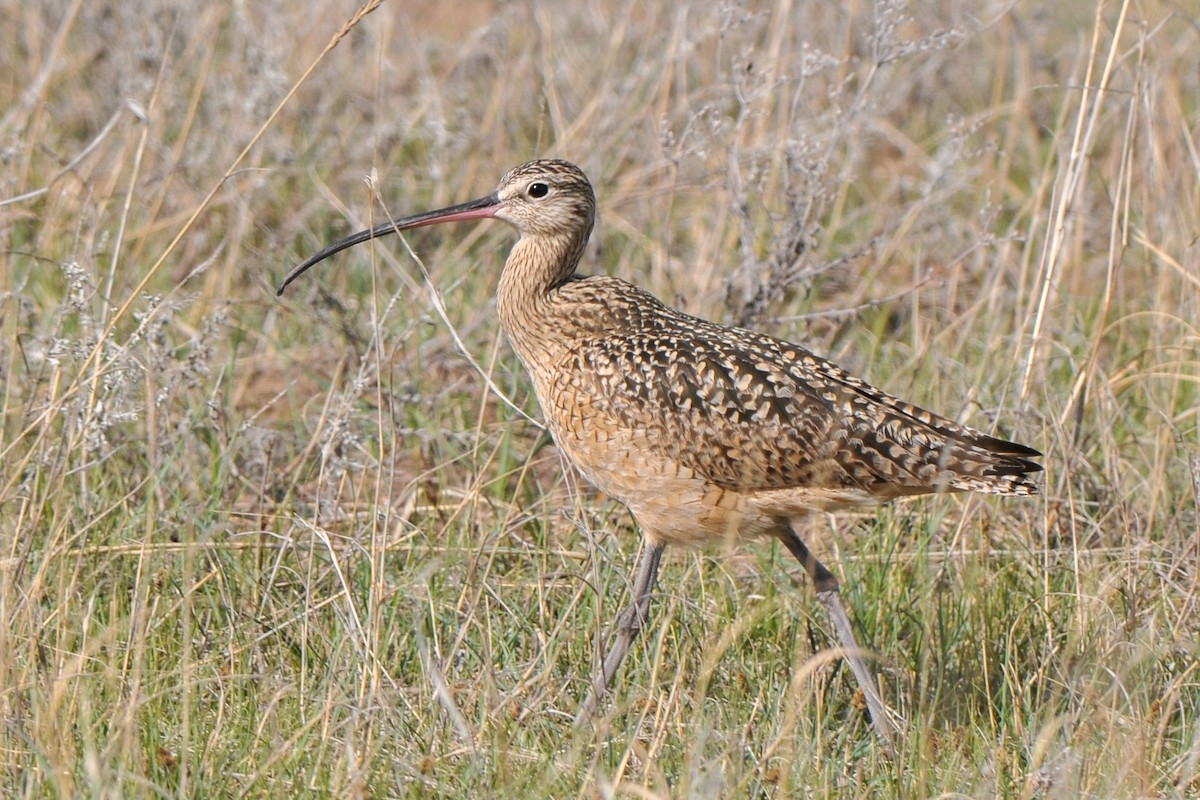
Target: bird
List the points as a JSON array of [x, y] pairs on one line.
[[705, 432]]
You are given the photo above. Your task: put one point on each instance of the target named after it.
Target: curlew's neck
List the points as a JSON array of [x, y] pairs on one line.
[[536, 267]]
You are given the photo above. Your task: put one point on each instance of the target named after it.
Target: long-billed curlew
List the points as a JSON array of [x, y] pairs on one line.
[[704, 431]]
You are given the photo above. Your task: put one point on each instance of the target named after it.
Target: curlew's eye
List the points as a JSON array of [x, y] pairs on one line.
[[538, 190]]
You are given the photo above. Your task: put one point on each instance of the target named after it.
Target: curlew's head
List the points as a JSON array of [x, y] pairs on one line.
[[547, 198]]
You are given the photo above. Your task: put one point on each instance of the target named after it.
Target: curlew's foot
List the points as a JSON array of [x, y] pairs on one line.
[[880, 720], [827, 592], [629, 623]]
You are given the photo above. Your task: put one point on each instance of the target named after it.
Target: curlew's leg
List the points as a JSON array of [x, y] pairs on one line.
[[629, 623], [827, 592]]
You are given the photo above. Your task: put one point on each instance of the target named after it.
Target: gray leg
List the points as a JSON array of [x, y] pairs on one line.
[[827, 592], [629, 623]]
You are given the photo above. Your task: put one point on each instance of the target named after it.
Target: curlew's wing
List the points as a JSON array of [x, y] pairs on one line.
[[748, 411]]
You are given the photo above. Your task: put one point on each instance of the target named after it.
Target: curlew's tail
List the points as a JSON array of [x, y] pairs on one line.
[[976, 462], [901, 450]]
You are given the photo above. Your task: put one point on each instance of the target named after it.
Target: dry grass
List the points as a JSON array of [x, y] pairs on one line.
[[252, 546]]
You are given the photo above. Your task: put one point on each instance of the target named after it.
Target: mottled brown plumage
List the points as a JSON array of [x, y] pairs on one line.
[[704, 431]]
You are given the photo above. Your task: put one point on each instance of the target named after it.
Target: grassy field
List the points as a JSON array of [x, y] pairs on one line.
[[296, 547]]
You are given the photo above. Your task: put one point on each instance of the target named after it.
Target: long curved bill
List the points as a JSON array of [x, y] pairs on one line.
[[482, 208]]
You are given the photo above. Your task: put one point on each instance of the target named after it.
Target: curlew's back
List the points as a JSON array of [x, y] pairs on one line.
[[645, 398]]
